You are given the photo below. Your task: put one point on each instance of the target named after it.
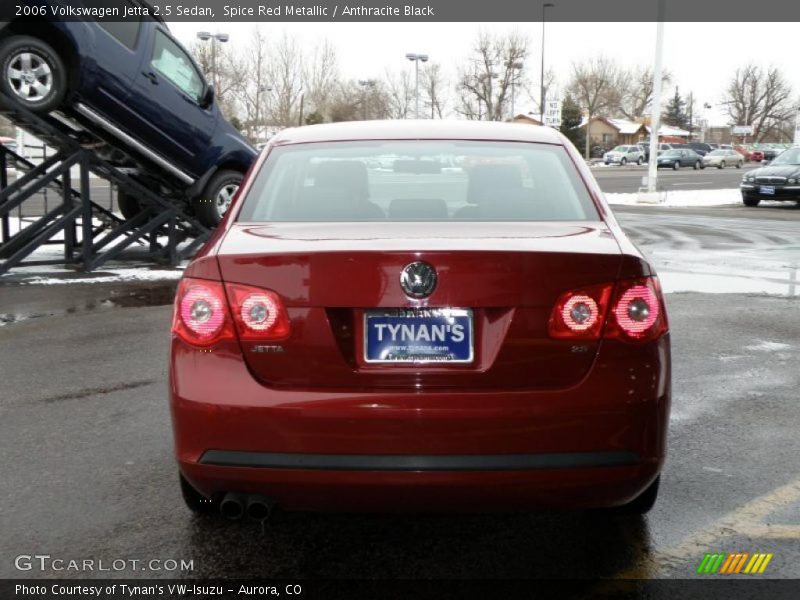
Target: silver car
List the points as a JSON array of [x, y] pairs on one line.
[[723, 158], [623, 155]]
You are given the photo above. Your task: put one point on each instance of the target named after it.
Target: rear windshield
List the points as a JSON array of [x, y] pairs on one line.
[[418, 181]]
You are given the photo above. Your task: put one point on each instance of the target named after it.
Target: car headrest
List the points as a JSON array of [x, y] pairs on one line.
[[488, 182], [348, 175]]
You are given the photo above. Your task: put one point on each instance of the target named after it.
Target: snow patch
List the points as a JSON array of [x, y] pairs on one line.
[[766, 346], [683, 198]]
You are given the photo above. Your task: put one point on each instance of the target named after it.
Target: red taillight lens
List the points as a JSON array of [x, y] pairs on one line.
[[259, 314], [580, 314], [638, 313], [201, 312], [202, 316]]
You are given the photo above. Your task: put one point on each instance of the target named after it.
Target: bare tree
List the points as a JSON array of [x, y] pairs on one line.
[[254, 90], [484, 84], [285, 74], [597, 86], [321, 76], [230, 71], [761, 97], [400, 89], [433, 87], [638, 94]]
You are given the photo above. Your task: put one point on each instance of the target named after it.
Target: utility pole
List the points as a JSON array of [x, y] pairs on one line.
[[541, 75]]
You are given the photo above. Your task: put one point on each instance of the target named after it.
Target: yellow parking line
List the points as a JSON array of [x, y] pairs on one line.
[[773, 532], [744, 520]]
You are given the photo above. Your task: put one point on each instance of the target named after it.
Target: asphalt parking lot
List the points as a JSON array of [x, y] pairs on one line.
[[88, 470], [628, 179]]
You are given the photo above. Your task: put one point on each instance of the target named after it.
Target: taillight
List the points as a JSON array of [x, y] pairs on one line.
[[201, 312], [636, 312], [206, 312], [580, 314], [259, 314]]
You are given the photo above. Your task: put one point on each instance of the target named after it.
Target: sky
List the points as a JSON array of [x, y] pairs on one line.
[[702, 57]]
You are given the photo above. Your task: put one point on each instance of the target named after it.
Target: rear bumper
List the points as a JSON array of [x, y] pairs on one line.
[[599, 443]]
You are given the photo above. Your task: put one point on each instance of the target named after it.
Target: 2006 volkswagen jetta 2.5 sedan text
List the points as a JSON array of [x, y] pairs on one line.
[[433, 316]]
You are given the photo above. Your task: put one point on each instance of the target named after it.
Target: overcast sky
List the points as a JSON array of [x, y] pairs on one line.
[[701, 56]]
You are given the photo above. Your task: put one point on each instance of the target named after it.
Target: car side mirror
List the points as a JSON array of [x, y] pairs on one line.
[[208, 97]]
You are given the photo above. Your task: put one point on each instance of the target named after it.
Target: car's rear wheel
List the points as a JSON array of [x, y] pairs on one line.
[[750, 200], [32, 73], [696, 165], [129, 206], [739, 165], [722, 165], [623, 162], [676, 165], [194, 500], [212, 205]]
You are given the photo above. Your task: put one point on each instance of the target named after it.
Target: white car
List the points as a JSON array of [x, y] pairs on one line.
[[723, 158], [623, 155]]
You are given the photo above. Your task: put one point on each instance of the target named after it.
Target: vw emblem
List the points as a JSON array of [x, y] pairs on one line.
[[418, 280]]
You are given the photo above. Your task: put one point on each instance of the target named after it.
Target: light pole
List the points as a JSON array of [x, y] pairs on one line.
[[514, 66], [490, 110], [365, 85], [416, 59], [266, 89], [655, 110], [214, 37], [545, 6]]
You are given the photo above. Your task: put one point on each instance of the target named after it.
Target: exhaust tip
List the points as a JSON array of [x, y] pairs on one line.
[[259, 508], [232, 506]]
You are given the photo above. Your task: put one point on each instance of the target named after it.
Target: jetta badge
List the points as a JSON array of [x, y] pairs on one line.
[[418, 280]]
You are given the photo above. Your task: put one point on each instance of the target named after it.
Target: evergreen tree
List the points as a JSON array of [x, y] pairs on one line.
[[571, 117], [675, 113]]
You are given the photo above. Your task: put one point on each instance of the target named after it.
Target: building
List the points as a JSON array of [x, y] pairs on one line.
[[608, 133], [525, 120]]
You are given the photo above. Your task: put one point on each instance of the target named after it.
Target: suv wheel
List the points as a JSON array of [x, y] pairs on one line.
[[722, 165], [212, 205], [639, 161], [32, 73], [623, 162]]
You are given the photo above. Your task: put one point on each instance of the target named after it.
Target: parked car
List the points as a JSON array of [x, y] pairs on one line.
[[645, 148], [780, 180], [700, 147], [663, 147], [430, 369], [744, 152], [623, 155], [723, 158], [771, 153], [677, 158], [756, 155], [133, 84]]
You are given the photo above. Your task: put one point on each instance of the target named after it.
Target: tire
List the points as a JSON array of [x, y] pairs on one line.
[[676, 165], [194, 500], [129, 206], [216, 198], [751, 201], [722, 165], [639, 161], [623, 162], [696, 165], [739, 165], [32, 73]]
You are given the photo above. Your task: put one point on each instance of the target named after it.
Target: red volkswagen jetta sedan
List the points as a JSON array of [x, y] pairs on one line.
[[419, 316]]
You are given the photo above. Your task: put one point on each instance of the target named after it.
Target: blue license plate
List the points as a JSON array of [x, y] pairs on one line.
[[418, 335], [768, 190]]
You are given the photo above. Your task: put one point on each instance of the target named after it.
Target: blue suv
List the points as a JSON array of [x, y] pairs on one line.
[[133, 85]]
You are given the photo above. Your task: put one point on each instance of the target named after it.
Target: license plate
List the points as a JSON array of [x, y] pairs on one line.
[[769, 190], [418, 335]]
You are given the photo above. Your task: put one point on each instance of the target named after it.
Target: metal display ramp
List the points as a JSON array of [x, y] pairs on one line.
[[90, 234]]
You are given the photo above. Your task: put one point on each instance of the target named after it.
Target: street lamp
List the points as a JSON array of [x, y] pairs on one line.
[[516, 66], [365, 85], [214, 38], [416, 59], [546, 5]]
